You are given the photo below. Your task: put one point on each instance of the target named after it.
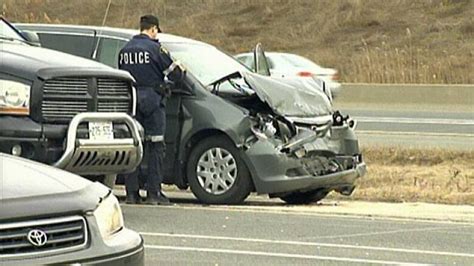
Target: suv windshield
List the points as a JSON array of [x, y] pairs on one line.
[[8, 32], [207, 63]]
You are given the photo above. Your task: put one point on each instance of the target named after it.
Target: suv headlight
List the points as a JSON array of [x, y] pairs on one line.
[[14, 98], [109, 216]]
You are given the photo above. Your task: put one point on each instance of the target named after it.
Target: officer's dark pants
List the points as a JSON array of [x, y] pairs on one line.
[[151, 114], [151, 167]]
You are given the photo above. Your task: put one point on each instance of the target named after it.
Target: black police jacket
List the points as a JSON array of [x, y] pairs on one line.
[[146, 61]]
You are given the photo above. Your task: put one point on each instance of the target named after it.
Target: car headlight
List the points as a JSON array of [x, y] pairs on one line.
[[109, 216], [14, 98]]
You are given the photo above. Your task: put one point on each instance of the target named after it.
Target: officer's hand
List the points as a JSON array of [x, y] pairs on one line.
[[165, 89], [168, 89]]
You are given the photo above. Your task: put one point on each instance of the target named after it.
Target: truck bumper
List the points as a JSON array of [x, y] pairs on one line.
[[69, 147], [86, 156]]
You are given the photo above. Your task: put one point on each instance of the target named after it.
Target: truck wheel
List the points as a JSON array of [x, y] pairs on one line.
[[305, 197], [216, 172]]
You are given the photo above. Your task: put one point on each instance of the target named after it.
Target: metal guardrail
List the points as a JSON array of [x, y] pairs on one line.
[[409, 94]]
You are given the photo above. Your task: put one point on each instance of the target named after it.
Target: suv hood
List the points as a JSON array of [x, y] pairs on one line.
[[28, 188], [24, 61], [290, 97]]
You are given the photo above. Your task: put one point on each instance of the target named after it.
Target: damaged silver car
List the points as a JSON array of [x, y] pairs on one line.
[[230, 131]]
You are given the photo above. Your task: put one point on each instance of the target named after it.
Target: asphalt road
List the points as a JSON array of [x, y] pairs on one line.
[[414, 128], [191, 234]]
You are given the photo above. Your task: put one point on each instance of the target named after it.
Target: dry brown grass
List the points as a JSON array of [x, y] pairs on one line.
[[409, 175], [399, 41]]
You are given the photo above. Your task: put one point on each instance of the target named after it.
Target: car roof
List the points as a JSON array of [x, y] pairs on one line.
[[105, 31], [268, 53]]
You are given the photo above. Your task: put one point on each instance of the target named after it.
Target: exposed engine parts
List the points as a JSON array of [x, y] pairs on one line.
[[267, 126], [299, 137], [339, 119]]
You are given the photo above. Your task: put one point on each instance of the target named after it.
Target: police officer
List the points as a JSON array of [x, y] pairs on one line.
[[149, 64]]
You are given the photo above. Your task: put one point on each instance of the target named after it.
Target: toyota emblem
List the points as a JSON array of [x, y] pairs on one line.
[[37, 237]]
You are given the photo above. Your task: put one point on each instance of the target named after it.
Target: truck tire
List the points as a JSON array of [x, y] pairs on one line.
[[216, 172]]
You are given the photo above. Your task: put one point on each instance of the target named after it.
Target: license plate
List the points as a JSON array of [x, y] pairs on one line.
[[101, 131]]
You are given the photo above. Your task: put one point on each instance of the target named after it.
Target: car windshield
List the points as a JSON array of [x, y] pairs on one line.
[[8, 32], [298, 61], [206, 62]]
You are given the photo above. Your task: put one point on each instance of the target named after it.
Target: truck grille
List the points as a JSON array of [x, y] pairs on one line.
[[42, 236], [113, 95], [65, 97]]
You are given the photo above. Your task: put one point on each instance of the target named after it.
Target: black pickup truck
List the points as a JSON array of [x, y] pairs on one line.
[[64, 110]]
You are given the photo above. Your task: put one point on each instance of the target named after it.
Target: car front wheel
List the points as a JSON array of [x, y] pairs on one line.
[[216, 172]]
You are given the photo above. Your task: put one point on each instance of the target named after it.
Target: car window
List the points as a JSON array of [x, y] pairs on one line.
[[261, 64], [271, 65], [109, 50], [247, 60], [7, 31], [299, 61], [207, 63], [278, 63], [79, 45]]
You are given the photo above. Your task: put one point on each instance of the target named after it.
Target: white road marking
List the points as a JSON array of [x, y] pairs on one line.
[[280, 255], [288, 211], [409, 120], [300, 243], [413, 133], [390, 232]]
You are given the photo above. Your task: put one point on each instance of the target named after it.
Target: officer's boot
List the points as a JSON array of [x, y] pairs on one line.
[[157, 198], [162, 199], [133, 198], [151, 198]]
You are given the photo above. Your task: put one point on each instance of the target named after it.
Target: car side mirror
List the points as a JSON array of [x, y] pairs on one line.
[[31, 37]]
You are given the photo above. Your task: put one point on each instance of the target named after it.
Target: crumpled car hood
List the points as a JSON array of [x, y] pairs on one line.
[[290, 97]]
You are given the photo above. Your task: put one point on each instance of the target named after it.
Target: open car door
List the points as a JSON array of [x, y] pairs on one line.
[[260, 60]]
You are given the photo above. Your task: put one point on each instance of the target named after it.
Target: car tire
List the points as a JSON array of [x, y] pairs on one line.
[[216, 172], [305, 197]]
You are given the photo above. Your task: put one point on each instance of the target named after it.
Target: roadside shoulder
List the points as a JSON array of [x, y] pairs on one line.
[[258, 203]]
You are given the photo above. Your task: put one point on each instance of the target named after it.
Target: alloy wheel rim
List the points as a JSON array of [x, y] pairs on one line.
[[216, 171]]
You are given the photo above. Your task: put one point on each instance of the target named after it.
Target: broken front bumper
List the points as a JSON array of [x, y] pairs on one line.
[[101, 157], [274, 171]]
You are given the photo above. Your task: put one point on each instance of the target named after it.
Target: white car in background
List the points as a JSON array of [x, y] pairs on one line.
[[288, 65]]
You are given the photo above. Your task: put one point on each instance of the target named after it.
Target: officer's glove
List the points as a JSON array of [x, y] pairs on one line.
[[165, 89]]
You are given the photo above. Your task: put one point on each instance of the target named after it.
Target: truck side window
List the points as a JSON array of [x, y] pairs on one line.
[[80, 45], [109, 50]]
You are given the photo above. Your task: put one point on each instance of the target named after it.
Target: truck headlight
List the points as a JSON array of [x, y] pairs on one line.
[[14, 98], [109, 216]]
